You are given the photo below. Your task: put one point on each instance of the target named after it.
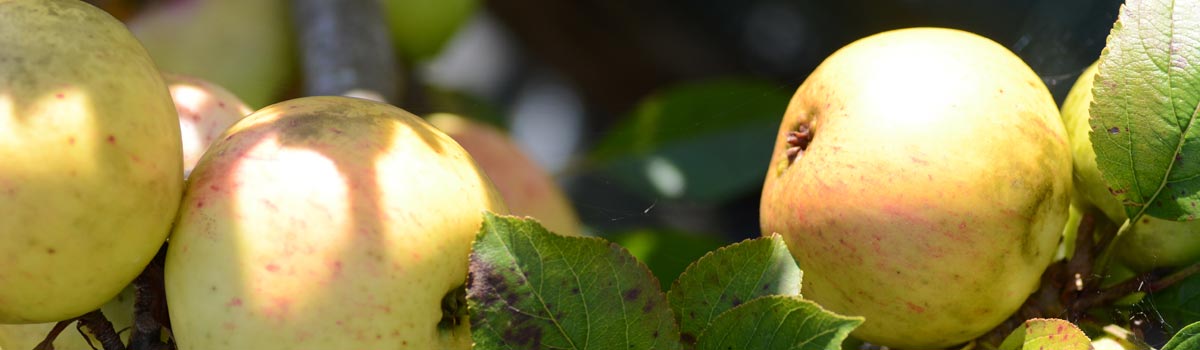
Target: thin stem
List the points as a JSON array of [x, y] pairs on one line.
[[48, 343], [1175, 277]]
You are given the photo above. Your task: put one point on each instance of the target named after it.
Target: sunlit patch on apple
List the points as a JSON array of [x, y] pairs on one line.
[[277, 181], [50, 132], [665, 176]]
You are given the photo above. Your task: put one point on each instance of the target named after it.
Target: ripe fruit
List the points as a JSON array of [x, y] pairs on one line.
[[921, 178], [421, 27], [1152, 242], [526, 188], [205, 111], [244, 46], [91, 175], [325, 223]]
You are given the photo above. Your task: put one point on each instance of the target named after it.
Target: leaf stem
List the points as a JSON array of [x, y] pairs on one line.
[[1107, 245]]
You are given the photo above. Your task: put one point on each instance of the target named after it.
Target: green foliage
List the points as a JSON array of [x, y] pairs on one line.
[[1047, 334], [707, 141], [1147, 92], [666, 252], [1188, 338], [532, 289], [778, 322], [1177, 305], [730, 277]]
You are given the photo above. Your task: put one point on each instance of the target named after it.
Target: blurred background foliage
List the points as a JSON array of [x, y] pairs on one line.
[[658, 116]]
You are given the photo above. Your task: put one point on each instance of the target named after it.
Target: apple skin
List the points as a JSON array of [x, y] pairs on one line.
[[526, 188], [205, 111], [91, 176], [934, 190], [119, 311], [325, 223], [243, 46], [1152, 242]]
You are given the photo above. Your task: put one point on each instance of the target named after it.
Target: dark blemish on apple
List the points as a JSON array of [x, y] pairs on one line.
[[1114, 130], [51, 251], [915, 308], [112, 139], [221, 104]]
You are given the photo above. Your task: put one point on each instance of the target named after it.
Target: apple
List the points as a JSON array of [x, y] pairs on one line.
[[921, 178], [526, 188], [326, 223], [420, 28], [1152, 242], [119, 311], [91, 176], [205, 111], [244, 46]]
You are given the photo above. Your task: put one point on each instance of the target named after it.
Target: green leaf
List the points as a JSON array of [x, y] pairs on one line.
[[532, 289], [778, 322], [666, 252], [729, 277], [1047, 334], [1177, 305], [707, 141], [1187, 338], [1147, 94]]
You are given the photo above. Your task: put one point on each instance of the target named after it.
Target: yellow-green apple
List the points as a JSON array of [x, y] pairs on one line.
[[244, 46], [526, 188], [1152, 242], [91, 172], [205, 111], [921, 178], [119, 311], [421, 27], [326, 223]]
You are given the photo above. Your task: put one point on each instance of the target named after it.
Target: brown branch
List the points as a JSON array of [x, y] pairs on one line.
[[345, 46]]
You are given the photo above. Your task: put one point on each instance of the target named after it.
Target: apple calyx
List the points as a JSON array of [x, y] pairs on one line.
[[798, 141], [454, 309]]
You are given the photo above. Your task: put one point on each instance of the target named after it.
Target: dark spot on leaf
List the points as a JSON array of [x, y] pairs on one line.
[[632, 294], [1114, 130], [687, 338]]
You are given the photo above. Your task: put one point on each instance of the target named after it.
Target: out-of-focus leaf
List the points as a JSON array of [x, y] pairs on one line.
[[708, 141], [666, 252], [1177, 305]]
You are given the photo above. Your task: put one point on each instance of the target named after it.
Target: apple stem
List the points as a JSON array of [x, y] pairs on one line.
[[48, 343], [102, 329], [149, 306]]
